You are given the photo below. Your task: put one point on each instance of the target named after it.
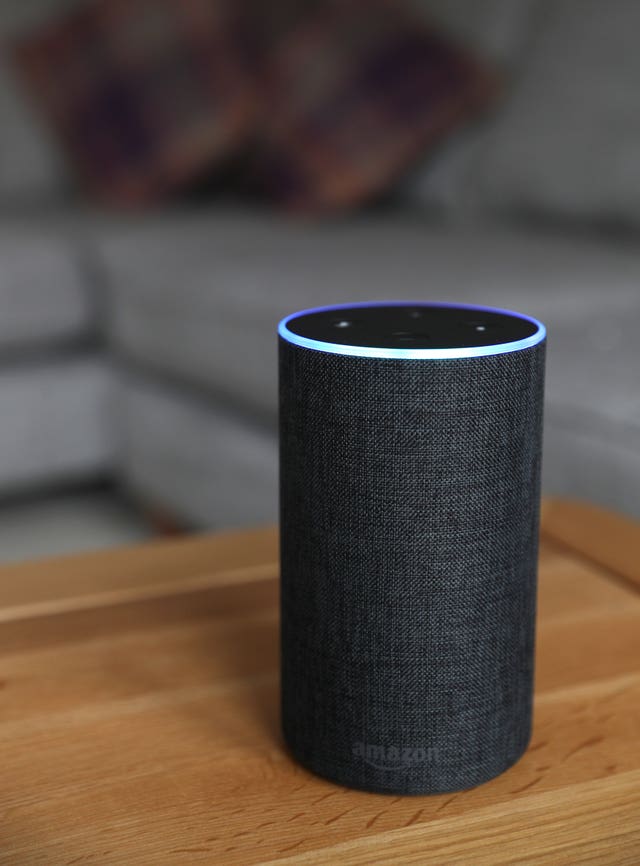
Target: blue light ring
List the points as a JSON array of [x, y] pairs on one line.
[[382, 352]]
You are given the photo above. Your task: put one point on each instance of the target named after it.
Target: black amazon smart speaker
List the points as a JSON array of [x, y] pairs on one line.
[[410, 441]]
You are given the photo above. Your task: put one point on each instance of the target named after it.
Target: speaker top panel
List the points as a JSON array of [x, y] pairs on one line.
[[411, 330]]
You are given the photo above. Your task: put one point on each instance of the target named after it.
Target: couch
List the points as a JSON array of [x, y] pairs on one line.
[[142, 348]]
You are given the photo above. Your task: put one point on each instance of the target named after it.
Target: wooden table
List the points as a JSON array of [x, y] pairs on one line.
[[139, 720]]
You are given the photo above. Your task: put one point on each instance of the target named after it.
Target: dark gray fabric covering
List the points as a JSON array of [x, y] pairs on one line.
[[409, 519]]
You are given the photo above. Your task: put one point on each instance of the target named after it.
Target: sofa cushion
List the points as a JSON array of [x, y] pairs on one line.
[[355, 96], [208, 466], [190, 295], [568, 142], [145, 97], [199, 301], [45, 298], [56, 422]]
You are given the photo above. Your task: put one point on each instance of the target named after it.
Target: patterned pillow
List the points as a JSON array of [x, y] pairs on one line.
[[145, 95], [353, 96]]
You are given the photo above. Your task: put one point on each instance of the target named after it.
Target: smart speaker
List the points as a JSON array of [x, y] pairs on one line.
[[410, 441]]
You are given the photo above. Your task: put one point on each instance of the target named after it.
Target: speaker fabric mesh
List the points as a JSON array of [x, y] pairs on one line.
[[409, 530]]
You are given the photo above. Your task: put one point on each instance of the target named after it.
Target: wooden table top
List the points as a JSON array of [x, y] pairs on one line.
[[139, 718]]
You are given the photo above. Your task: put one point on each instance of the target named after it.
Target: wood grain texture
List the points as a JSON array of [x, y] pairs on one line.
[[139, 719], [611, 540]]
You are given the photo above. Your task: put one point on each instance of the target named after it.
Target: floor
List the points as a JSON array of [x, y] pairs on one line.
[[68, 523]]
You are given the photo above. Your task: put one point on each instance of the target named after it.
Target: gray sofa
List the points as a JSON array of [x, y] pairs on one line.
[[199, 416], [143, 348]]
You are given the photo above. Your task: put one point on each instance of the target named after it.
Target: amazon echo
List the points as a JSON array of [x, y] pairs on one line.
[[410, 450]]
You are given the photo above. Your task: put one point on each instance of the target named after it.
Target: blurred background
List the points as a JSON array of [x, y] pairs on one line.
[[177, 175]]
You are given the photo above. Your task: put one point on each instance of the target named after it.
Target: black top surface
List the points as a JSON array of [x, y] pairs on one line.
[[416, 326]]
